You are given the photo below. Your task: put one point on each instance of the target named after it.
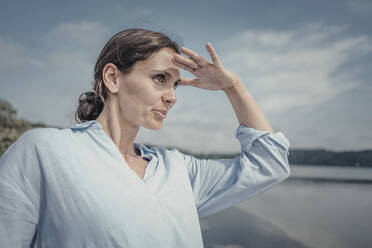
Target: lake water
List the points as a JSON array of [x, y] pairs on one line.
[[318, 206]]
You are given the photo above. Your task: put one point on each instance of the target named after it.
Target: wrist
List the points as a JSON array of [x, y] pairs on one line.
[[236, 83]]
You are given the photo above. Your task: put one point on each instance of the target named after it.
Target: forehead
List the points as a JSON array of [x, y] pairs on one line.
[[160, 60]]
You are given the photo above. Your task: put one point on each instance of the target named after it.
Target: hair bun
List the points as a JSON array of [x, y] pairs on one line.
[[90, 106]]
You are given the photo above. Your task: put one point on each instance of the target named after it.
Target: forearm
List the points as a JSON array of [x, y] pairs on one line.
[[247, 110]]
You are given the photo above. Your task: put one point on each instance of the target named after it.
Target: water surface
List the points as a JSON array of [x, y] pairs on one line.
[[299, 213]]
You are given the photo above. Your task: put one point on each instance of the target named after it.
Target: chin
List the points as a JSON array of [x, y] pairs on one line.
[[154, 126]]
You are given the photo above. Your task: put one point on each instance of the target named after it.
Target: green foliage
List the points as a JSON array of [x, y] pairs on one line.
[[11, 127]]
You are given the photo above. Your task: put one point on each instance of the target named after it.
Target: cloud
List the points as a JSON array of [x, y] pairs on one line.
[[298, 67], [58, 73], [14, 56], [74, 45], [68, 45], [77, 35]]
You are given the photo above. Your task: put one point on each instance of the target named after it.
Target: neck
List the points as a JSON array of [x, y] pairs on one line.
[[118, 129]]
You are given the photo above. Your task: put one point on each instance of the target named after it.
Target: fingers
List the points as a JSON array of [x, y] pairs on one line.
[[195, 61], [213, 54], [184, 63], [196, 57], [189, 81]]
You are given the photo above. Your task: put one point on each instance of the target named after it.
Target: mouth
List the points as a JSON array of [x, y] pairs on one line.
[[160, 113]]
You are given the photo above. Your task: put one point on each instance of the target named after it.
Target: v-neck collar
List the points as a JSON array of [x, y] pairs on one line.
[[145, 152], [94, 125]]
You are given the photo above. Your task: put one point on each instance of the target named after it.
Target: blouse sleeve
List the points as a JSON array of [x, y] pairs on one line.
[[18, 193], [221, 183]]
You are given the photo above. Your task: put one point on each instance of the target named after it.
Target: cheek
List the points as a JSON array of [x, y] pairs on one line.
[[139, 95]]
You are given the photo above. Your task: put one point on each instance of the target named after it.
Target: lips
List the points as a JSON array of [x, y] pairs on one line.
[[162, 111]]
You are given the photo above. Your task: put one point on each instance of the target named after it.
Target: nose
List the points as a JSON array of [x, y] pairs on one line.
[[170, 97]]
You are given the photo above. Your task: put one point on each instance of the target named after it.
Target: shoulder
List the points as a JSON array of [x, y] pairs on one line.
[[32, 147], [24, 151], [34, 138], [37, 135]]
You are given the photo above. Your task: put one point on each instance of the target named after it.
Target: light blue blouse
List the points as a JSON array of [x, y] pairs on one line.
[[72, 188]]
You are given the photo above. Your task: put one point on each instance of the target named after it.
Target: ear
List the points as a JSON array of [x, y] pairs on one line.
[[110, 74]]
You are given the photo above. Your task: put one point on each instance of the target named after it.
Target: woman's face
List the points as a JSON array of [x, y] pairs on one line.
[[148, 89]]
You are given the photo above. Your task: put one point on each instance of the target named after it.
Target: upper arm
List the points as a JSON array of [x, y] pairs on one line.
[[19, 196], [221, 183]]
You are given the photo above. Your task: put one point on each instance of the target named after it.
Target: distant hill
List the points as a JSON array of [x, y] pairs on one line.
[[12, 127]]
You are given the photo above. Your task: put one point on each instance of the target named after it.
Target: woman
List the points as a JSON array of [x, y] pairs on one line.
[[91, 186]]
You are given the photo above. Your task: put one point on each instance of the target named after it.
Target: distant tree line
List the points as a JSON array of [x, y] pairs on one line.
[[12, 127], [312, 157], [324, 157]]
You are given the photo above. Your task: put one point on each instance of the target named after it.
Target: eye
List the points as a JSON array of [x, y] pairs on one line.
[[176, 85], [159, 77]]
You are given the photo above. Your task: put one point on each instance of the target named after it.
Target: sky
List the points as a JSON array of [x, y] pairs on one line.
[[306, 63]]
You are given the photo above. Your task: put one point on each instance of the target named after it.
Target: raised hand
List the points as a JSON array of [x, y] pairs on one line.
[[209, 76]]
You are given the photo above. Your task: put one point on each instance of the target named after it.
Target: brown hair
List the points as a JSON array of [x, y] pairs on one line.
[[123, 50]]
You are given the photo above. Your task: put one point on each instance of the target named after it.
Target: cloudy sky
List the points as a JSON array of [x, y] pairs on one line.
[[307, 64]]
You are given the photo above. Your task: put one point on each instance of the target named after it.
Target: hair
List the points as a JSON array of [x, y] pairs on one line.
[[124, 49]]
